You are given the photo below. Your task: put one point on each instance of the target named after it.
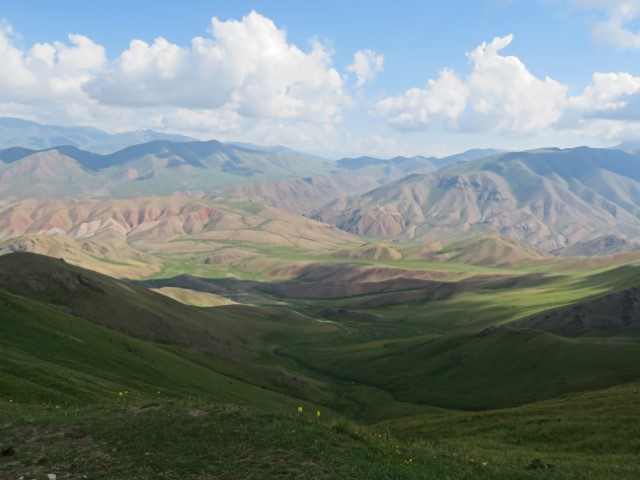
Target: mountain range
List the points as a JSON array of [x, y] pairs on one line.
[[568, 201], [549, 198], [16, 132]]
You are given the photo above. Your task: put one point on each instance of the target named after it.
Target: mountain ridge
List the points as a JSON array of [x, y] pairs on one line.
[[549, 198]]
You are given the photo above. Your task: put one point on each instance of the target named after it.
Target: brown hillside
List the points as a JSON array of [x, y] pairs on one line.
[[149, 223], [115, 261], [486, 249]]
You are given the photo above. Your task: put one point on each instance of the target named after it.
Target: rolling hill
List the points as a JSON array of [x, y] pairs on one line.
[[114, 260], [489, 248], [612, 314], [72, 340], [225, 339]]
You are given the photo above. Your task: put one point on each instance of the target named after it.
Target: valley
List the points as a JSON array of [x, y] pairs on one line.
[[472, 316]]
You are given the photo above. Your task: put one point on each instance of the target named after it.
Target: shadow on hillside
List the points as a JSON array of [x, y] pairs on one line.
[[367, 291]]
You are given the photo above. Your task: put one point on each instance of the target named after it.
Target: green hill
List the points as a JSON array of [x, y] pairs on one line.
[[497, 368], [232, 341], [106, 379]]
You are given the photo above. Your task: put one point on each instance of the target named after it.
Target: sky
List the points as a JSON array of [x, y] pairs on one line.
[[332, 78]]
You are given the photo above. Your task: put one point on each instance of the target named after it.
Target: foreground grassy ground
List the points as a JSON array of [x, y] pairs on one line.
[[589, 435], [134, 437], [203, 441]]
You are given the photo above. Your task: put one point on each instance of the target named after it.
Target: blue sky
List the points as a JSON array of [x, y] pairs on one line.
[[333, 78]]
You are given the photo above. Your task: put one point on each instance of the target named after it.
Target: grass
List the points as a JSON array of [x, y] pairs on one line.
[[192, 440], [51, 356], [230, 380], [505, 368], [137, 438], [592, 434]]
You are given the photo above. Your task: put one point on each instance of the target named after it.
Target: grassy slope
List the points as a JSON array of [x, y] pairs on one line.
[[590, 434], [505, 368], [462, 370], [50, 356], [130, 437], [228, 343], [48, 374], [206, 441]]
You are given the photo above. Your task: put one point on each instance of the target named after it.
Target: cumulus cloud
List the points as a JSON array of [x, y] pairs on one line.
[[499, 94], [617, 28], [609, 95], [443, 99], [244, 80], [366, 65], [47, 72], [247, 65]]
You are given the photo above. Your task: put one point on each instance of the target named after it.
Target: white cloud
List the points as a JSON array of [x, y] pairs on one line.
[[366, 65], [247, 82], [610, 93], [499, 94], [244, 82], [443, 99], [616, 28], [47, 73], [247, 65]]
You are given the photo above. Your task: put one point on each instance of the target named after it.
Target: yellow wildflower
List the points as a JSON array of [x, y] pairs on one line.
[[299, 409], [318, 413]]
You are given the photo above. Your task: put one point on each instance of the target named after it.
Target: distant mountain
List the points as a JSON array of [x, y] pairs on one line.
[[549, 198], [604, 245], [348, 176], [155, 168], [629, 146], [468, 156], [398, 165], [273, 176], [271, 149], [15, 132], [301, 195], [118, 141]]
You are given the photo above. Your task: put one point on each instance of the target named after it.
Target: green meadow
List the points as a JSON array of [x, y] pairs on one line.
[[101, 378]]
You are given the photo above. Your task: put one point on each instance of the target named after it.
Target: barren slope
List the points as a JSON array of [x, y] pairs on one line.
[[548, 198], [152, 224]]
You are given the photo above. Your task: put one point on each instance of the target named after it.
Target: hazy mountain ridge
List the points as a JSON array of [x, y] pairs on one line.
[[275, 176], [16, 132], [156, 168]]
